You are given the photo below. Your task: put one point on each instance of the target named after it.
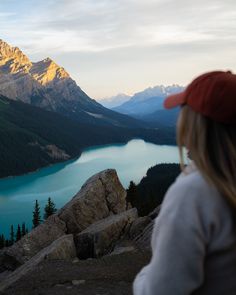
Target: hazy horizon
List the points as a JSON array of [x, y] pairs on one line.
[[112, 47]]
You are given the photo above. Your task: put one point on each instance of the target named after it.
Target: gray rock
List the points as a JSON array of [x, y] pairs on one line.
[[138, 226], [62, 248], [76, 260], [77, 282], [33, 242], [101, 196], [155, 212], [120, 250], [100, 238], [143, 240]]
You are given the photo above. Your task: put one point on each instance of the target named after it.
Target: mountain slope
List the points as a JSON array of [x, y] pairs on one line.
[[167, 118], [31, 137], [49, 86]]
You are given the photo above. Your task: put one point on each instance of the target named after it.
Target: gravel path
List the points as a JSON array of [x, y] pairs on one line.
[[109, 275]]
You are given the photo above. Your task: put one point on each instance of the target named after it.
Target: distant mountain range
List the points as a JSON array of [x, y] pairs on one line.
[[49, 86], [148, 100], [114, 101], [147, 106]]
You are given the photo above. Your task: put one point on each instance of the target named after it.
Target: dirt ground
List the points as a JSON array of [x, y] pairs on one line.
[[109, 275]]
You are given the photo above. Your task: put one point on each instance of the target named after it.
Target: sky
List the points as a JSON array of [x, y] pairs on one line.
[[124, 46]]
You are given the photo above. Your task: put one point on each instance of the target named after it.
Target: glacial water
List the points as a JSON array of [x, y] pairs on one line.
[[62, 181]]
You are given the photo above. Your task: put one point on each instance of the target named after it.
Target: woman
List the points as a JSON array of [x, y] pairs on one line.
[[194, 237]]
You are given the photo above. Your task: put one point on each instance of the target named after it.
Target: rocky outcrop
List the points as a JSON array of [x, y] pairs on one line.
[[96, 222], [101, 237], [101, 196], [143, 239], [62, 248], [138, 226], [39, 238]]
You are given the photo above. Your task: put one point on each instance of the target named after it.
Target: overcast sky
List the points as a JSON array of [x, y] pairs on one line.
[[113, 46]]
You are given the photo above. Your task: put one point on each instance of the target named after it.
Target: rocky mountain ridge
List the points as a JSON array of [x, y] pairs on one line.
[[22, 79], [148, 101], [49, 86]]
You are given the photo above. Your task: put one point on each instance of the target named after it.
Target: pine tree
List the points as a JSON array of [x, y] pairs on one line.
[[49, 208], [2, 241], [132, 193], [18, 233], [36, 215], [12, 235], [23, 229]]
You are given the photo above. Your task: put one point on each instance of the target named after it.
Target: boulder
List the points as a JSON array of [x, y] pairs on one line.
[[143, 240], [62, 248], [100, 238], [138, 226], [101, 196], [39, 238], [121, 250]]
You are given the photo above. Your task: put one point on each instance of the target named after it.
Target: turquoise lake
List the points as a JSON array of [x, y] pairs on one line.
[[62, 181]]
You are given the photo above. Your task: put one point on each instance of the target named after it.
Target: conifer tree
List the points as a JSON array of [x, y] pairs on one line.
[[49, 209], [12, 235], [2, 241], [23, 229], [132, 193], [18, 233], [36, 215]]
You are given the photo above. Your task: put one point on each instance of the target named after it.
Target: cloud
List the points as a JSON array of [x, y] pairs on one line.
[[88, 25], [124, 45]]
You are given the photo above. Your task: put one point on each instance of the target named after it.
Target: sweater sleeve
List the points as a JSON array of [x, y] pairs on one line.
[[178, 245]]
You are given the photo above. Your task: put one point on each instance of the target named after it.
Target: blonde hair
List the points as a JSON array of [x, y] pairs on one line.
[[212, 147]]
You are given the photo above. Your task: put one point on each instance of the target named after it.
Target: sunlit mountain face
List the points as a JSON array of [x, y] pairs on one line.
[[47, 85]]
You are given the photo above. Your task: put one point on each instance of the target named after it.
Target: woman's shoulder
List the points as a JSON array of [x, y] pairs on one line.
[[192, 203]]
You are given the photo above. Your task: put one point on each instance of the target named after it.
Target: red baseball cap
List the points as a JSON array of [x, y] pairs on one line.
[[212, 94]]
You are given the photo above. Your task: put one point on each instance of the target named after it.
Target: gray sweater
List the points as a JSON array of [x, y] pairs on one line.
[[193, 243]]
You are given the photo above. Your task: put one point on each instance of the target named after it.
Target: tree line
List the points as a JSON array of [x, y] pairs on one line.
[[21, 230], [149, 193]]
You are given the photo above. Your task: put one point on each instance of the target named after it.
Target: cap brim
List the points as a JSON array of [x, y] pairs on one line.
[[174, 100]]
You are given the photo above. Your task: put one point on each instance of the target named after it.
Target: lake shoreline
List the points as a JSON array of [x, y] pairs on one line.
[[78, 156]]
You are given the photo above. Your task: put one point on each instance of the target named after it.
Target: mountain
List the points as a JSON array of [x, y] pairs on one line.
[[47, 85], [147, 101], [31, 137], [114, 101], [165, 118]]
